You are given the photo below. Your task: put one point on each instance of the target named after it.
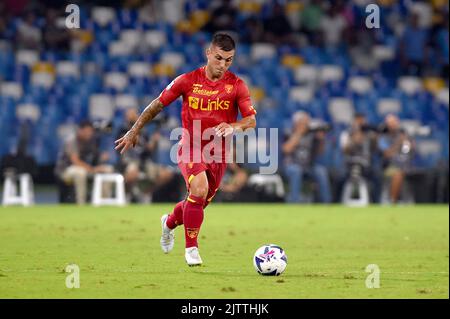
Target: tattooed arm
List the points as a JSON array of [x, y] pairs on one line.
[[131, 137]]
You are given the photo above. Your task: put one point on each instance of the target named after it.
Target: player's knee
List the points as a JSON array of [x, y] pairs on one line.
[[200, 191]]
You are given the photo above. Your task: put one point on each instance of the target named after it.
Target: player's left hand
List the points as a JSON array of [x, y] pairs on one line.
[[224, 129]]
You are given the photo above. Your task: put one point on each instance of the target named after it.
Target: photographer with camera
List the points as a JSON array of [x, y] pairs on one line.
[[398, 151], [359, 146], [301, 150], [80, 159]]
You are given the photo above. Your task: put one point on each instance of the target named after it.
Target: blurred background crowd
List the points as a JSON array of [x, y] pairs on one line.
[[357, 108]]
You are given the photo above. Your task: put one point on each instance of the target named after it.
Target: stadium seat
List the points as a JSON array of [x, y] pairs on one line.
[[125, 101], [409, 84], [302, 94], [388, 105], [119, 48], [155, 39], [341, 110], [174, 59], [331, 73], [131, 37], [103, 15], [116, 80], [139, 69], [27, 57], [11, 89], [262, 50], [101, 107], [28, 112], [68, 68], [360, 84], [306, 74], [429, 151]]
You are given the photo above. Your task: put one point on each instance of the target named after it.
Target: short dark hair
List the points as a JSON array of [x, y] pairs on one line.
[[223, 41], [85, 123]]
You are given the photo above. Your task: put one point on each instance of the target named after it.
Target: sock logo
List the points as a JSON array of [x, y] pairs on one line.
[[192, 232]]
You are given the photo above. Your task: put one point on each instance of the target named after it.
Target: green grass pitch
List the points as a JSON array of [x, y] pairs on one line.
[[328, 249]]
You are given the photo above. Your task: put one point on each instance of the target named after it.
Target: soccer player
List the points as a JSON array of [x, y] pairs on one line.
[[212, 98]]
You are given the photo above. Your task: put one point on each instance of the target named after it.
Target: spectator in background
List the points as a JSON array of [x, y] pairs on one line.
[[80, 159], [253, 30], [29, 35], [413, 47], [442, 47], [234, 184], [333, 27], [300, 151], [311, 17], [398, 149], [138, 167], [56, 37], [277, 28], [223, 18], [359, 145]]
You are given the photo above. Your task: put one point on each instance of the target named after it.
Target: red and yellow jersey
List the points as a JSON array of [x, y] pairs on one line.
[[208, 102]]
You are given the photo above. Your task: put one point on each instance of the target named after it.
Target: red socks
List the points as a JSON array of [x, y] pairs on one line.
[[176, 218], [193, 218]]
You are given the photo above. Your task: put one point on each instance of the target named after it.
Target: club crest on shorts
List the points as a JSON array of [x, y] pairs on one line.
[[192, 232], [228, 88]]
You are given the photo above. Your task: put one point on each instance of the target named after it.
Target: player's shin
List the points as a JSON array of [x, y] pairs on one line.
[[193, 218], [176, 218]]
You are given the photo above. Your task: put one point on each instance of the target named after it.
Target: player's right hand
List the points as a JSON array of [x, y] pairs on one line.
[[127, 141]]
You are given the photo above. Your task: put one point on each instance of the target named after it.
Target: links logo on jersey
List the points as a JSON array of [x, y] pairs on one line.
[[209, 105], [193, 102]]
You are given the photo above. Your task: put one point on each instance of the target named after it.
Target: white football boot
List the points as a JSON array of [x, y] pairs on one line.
[[168, 237], [192, 256]]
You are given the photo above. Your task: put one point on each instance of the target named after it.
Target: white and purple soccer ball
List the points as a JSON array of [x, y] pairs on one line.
[[270, 260]]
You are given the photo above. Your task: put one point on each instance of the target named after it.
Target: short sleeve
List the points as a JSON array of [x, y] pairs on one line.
[[175, 89], [243, 100]]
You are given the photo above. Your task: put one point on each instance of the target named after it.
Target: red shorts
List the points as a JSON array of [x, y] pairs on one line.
[[214, 173]]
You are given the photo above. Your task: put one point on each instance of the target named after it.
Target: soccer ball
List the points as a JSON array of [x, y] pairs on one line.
[[270, 260]]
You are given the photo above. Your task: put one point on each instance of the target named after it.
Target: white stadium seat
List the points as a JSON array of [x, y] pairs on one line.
[[44, 79], [360, 84], [125, 101], [173, 58], [383, 53], [331, 73], [341, 110], [443, 96], [306, 73], [262, 50], [28, 111], [103, 15], [119, 48], [68, 68], [155, 39], [139, 69], [11, 89], [410, 84], [27, 57], [116, 80], [388, 105], [131, 37], [301, 94], [101, 107]]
